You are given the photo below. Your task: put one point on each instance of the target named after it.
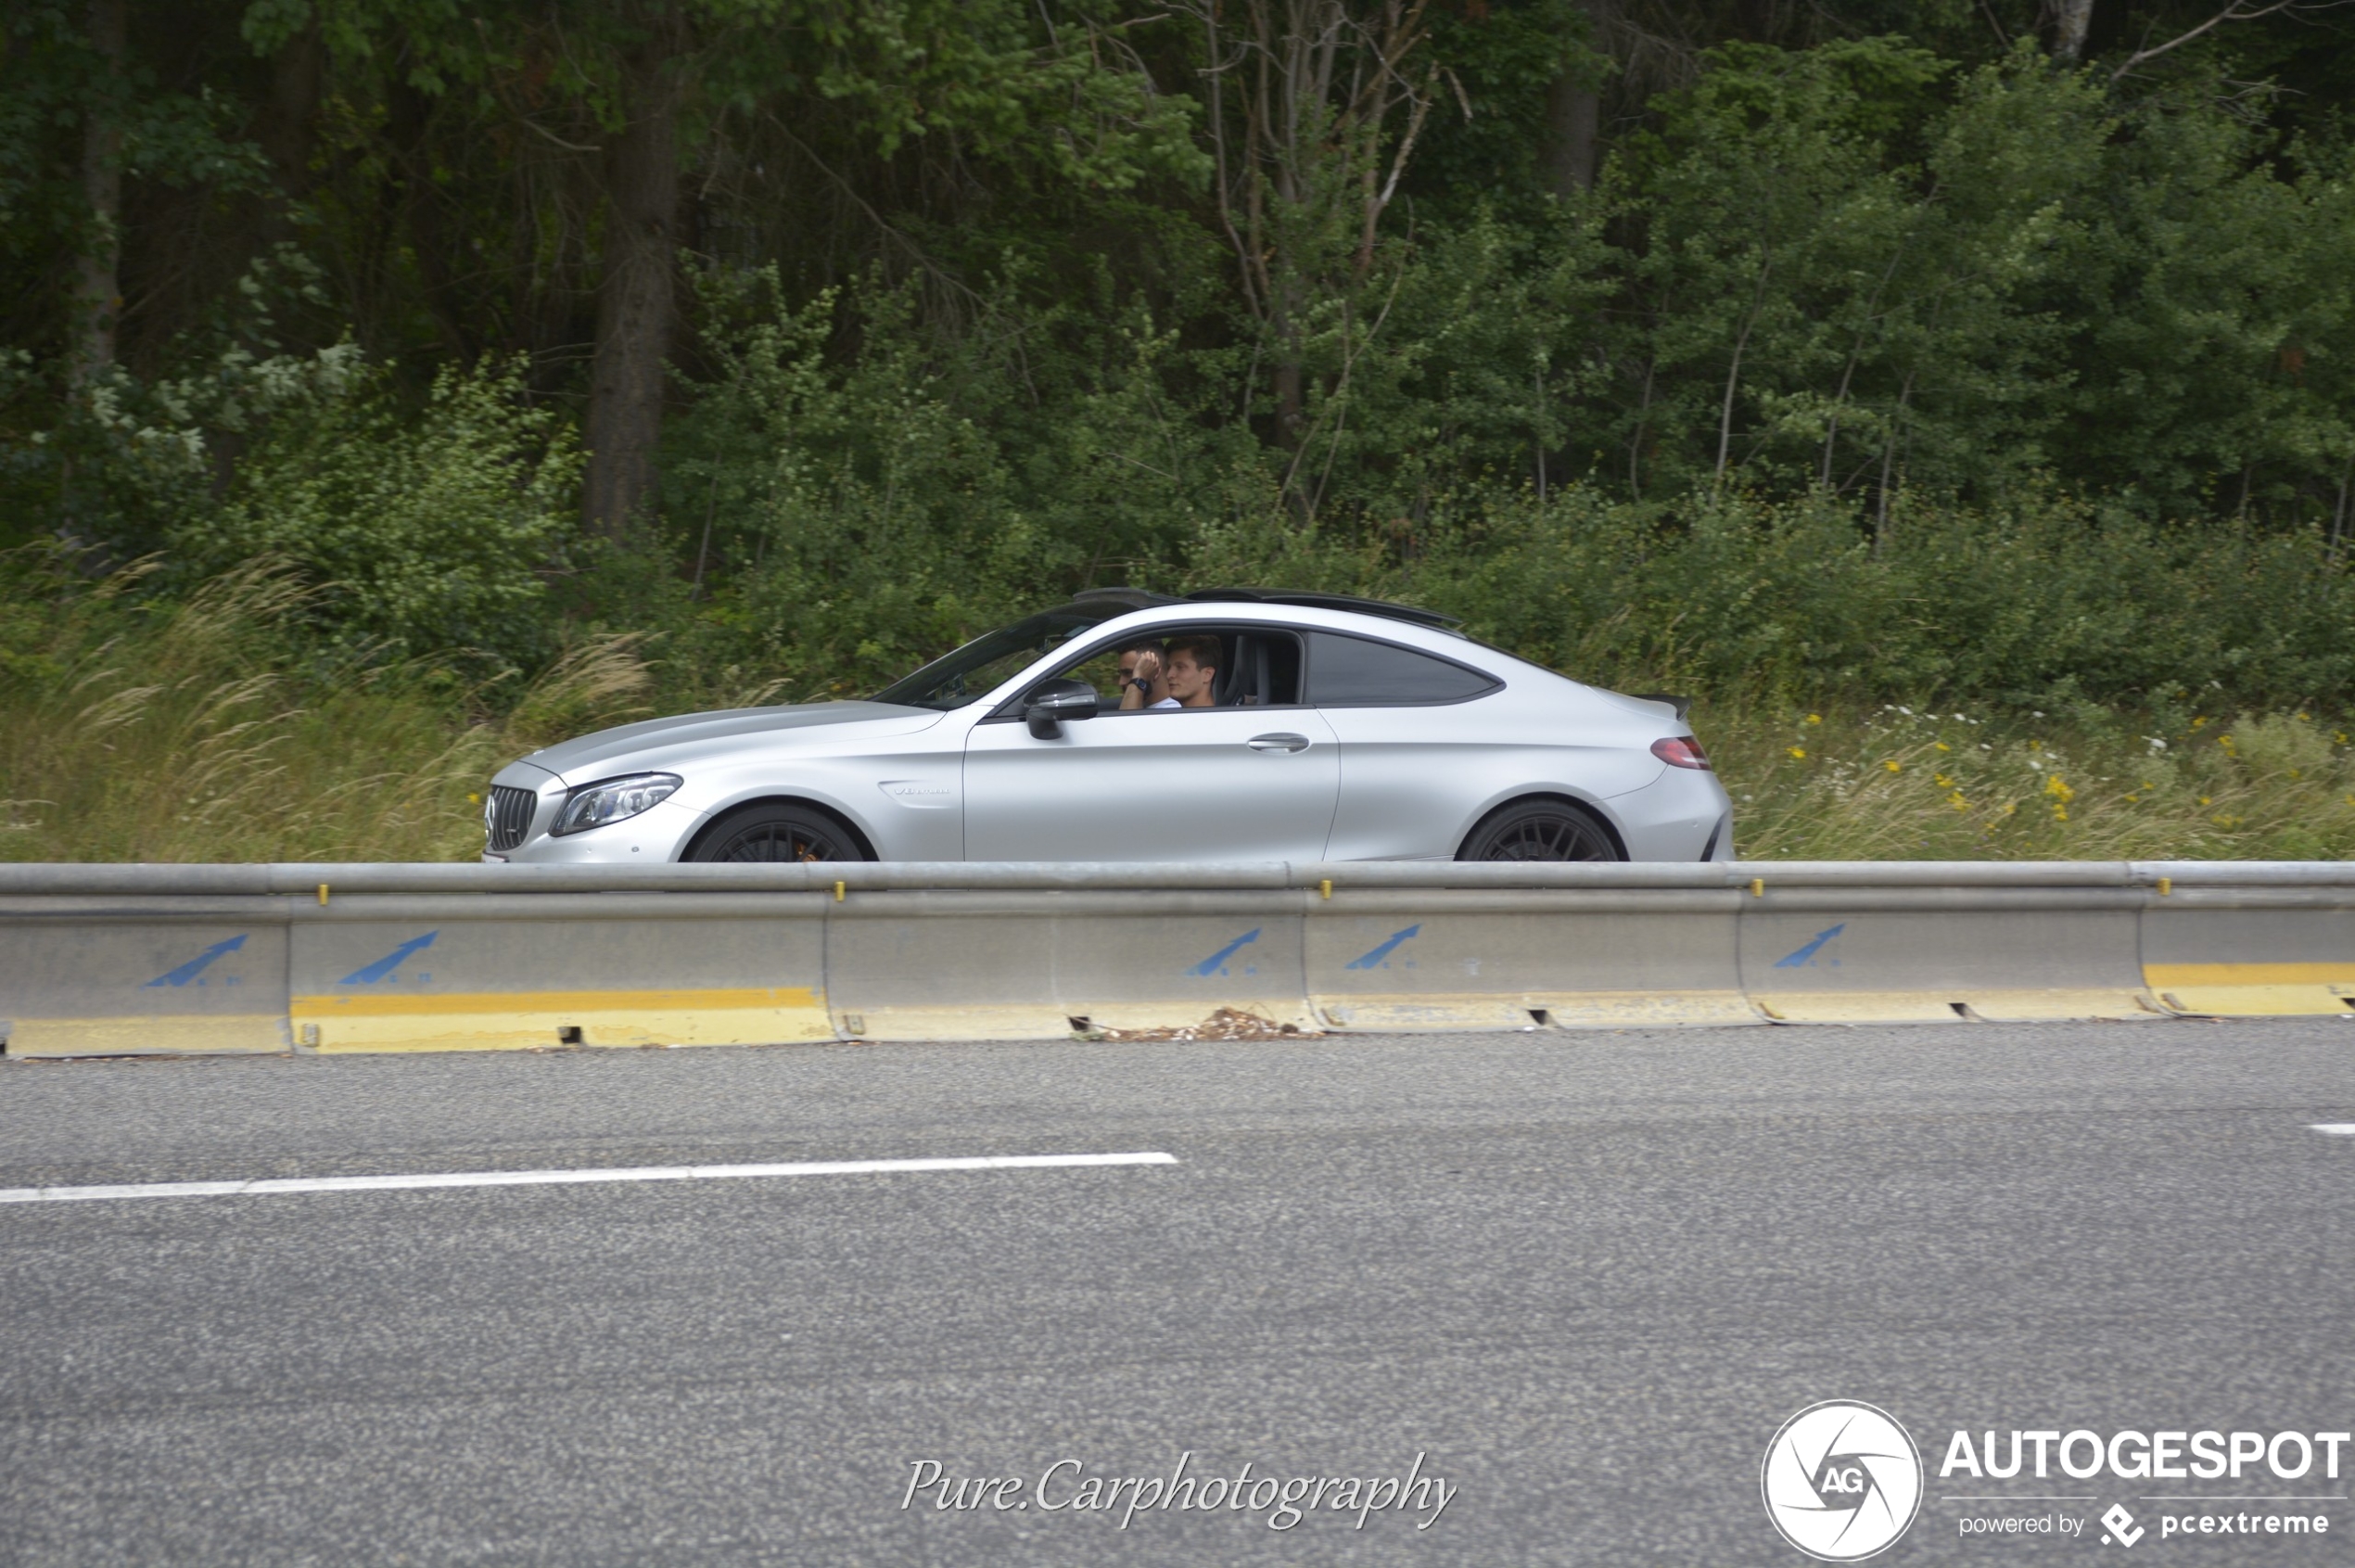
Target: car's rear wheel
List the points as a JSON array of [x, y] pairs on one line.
[[777, 831], [1539, 830]]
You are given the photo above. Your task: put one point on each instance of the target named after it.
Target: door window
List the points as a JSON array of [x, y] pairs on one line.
[[1258, 666]]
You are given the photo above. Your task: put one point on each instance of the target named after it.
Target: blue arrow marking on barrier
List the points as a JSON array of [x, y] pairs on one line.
[[198, 964], [1373, 960], [371, 974], [1799, 959], [1210, 966]]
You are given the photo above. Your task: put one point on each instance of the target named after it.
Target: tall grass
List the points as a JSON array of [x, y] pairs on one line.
[[1892, 782], [200, 730], [208, 727]]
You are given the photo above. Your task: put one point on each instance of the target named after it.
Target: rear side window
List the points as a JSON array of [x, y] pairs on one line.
[[1354, 673]]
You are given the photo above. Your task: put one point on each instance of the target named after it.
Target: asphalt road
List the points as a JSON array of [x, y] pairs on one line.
[[1584, 1278]]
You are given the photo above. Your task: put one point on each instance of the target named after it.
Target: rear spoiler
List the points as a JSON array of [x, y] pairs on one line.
[[1684, 706]]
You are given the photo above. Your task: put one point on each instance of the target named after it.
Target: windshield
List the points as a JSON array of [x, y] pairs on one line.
[[974, 670]]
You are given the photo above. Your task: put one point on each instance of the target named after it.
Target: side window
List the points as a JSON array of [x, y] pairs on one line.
[[1255, 667], [1102, 671], [1354, 673]]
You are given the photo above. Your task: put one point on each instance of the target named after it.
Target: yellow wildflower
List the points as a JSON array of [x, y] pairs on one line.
[[2054, 786], [2060, 812], [1814, 719], [2198, 723], [473, 799], [1798, 753], [1943, 782], [1954, 799], [1944, 746], [2202, 800], [1893, 765]]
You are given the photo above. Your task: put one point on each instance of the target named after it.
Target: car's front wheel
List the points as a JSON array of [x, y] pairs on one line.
[[777, 831], [1539, 830]]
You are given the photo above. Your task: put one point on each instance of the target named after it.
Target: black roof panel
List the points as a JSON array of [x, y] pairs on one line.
[[1382, 607], [1145, 599]]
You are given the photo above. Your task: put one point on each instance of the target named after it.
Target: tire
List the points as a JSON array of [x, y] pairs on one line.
[[1540, 830], [778, 831]]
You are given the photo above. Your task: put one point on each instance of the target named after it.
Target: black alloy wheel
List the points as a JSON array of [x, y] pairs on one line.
[[1539, 830], [777, 833]]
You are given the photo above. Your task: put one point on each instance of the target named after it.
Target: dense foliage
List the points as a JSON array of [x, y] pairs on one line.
[[1904, 348]]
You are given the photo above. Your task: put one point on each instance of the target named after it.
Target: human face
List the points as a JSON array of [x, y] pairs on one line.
[[1189, 681], [1143, 664]]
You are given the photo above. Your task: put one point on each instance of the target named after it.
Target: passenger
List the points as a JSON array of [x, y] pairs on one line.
[[1192, 671], [1143, 682]]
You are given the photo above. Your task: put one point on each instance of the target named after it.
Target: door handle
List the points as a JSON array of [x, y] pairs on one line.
[[1278, 743]]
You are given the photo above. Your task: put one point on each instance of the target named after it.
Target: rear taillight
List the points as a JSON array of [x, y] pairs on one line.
[[1681, 751]]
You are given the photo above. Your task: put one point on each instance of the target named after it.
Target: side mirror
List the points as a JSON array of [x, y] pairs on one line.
[[1056, 701]]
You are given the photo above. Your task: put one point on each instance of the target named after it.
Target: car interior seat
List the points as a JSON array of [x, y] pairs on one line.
[[1246, 682]]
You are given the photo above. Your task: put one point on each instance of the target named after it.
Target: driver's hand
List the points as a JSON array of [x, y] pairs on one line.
[[1148, 666]]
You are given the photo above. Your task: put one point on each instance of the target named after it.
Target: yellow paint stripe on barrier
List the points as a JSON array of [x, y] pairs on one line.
[[2251, 974], [1948, 1006], [519, 1020], [1661, 1009], [2253, 990], [2253, 1002], [414, 1004], [161, 1035]]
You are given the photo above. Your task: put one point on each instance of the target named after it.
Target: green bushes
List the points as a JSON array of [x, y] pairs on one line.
[[2047, 602], [425, 532]]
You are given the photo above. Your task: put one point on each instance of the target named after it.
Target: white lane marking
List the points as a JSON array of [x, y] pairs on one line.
[[2345, 1129], [548, 1178]]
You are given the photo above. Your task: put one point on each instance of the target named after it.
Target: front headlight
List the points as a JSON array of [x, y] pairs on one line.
[[612, 800]]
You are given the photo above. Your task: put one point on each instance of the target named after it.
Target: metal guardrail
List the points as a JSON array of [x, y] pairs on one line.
[[106, 959], [415, 877]]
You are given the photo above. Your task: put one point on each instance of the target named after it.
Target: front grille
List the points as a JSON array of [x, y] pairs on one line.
[[509, 819]]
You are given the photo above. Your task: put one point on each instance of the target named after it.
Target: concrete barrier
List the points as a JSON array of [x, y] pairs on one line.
[[1895, 955], [1458, 959], [2255, 947], [133, 976], [116, 959], [503, 971], [978, 964]]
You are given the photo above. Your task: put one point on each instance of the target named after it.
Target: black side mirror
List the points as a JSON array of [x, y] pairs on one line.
[[1055, 701]]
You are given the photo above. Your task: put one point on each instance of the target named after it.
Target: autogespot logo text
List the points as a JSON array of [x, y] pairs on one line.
[[1842, 1481]]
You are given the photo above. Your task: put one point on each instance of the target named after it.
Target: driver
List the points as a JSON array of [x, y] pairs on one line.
[[1192, 671]]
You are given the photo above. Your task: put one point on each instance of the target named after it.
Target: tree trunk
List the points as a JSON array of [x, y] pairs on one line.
[[1574, 120], [2071, 21], [1574, 117], [634, 299], [298, 73], [96, 299], [409, 131]]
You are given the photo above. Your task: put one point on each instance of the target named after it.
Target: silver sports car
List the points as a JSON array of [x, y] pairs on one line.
[[1234, 724]]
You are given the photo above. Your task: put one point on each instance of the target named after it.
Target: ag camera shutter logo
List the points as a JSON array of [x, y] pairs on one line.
[[1842, 1481]]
